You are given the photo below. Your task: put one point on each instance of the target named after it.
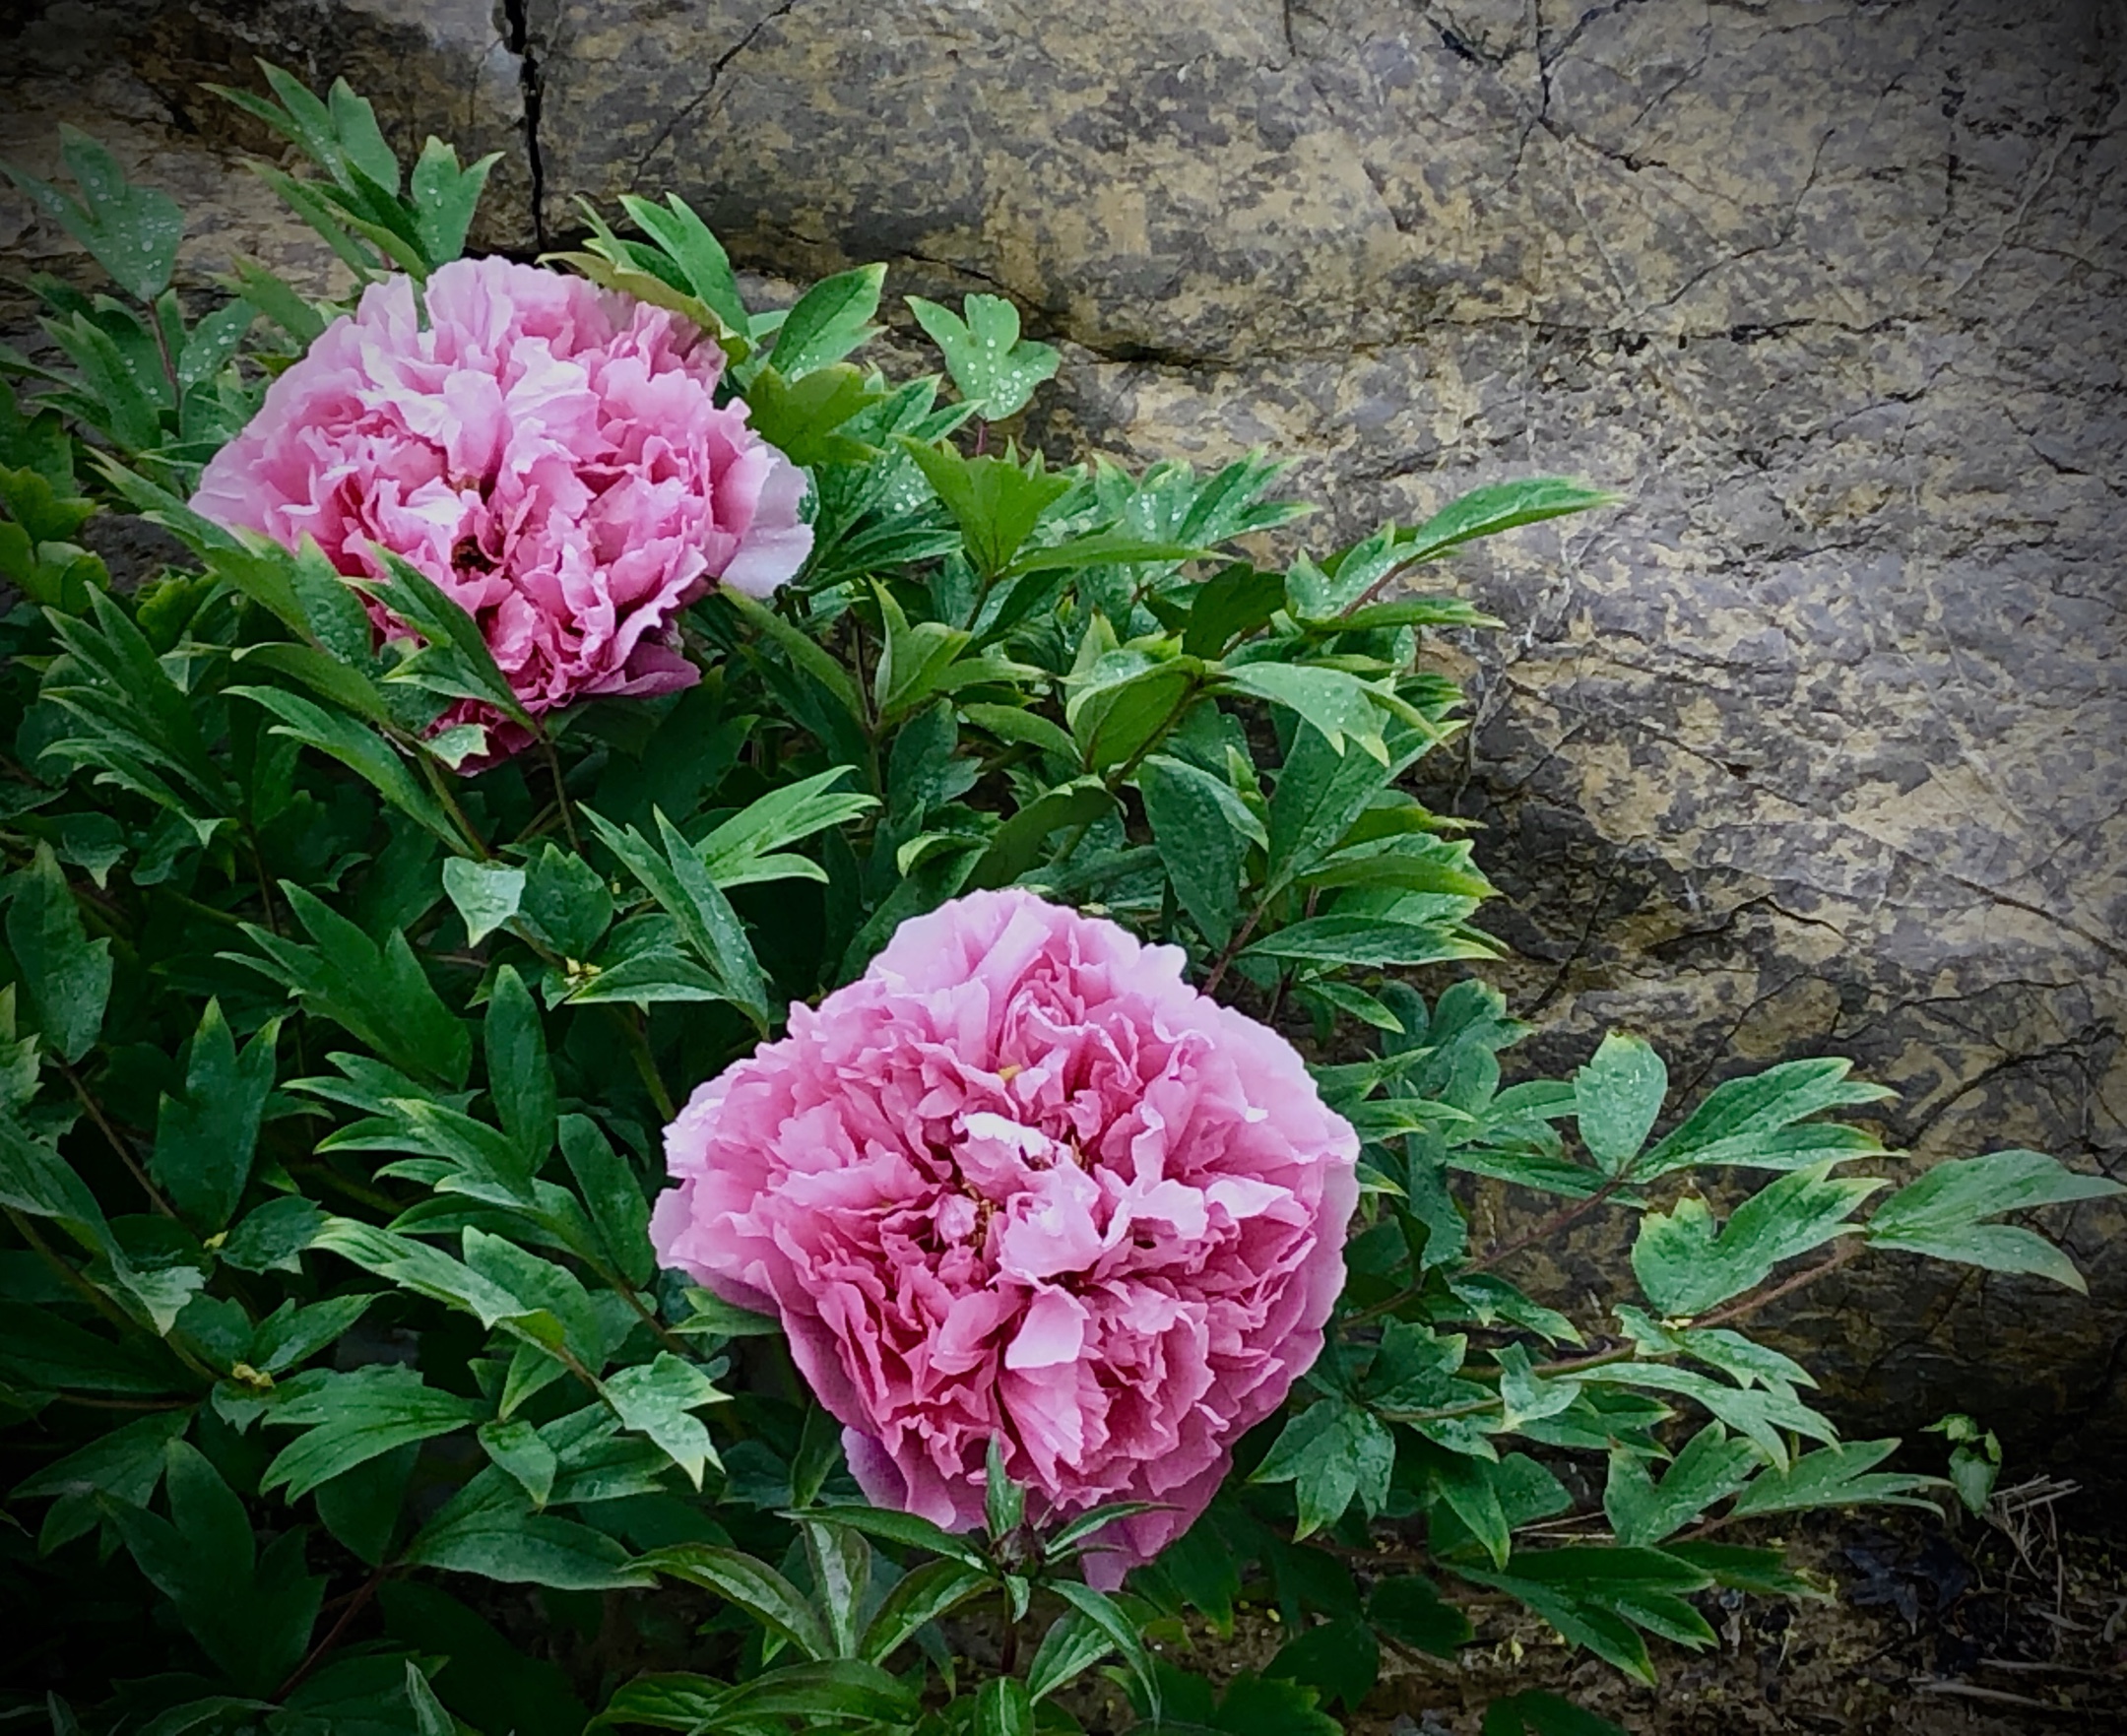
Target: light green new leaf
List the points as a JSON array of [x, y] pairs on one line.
[[131, 231], [830, 319], [1336, 702], [745, 849], [1686, 1267], [1942, 1213], [996, 501], [1496, 507], [1616, 1097], [996, 370]]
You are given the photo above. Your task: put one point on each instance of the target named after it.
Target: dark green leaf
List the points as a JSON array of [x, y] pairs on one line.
[[65, 977], [205, 1140]]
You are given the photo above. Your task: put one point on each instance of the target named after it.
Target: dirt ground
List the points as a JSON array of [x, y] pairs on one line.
[[2013, 1627]]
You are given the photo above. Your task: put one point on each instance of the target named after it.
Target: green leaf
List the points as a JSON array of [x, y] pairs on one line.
[[822, 1695], [378, 993], [251, 1615], [1339, 1658], [206, 1138], [1017, 844], [361, 1505], [1073, 1643], [1008, 722], [1839, 1475], [744, 850], [357, 747], [64, 976], [1741, 1112], [1368, 941], [518, 1449], [35, 1178], [753, 1585], [525, 1549], [804, 418], [486, 894], [271, 1237], [124, 1465], [1003, 1707], [677, 878], [996, 370], [934, 1589], [352, 1417], [1710, 1468], [1409, 1610], [417, 1267], [659, 1399], [444, 198], [1686, 1267], [1337, 704], [1496, 507], [1202, 830], [1533, 1713], [1229, 607], [1616, 1097], [612, 1195], [1105, 1614], [830, 319], [804, 652], [996, 501], [1331, 1452], [131, 231], [840, 1559], [699, 255], [1941, 1214], [429, 1717], [520, 1079], [565, 902], [1127, 706], [908, 1530]]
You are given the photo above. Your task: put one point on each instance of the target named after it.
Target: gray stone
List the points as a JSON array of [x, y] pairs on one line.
[[1813, 745]]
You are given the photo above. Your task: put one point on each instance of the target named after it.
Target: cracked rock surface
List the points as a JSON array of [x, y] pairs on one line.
[[1813, 745]]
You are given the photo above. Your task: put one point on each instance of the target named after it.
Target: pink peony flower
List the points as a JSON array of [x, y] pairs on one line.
[[551, 453], [1023, 1180]]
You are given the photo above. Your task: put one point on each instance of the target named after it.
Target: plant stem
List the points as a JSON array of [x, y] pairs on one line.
[[1550, 1225], [1750, 1304], [636, 1029], [356, 1605], [441, 786], [560, 790], [1233, 946], [118, 1144]]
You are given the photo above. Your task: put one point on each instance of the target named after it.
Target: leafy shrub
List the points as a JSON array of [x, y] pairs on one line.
[[335, 1356]]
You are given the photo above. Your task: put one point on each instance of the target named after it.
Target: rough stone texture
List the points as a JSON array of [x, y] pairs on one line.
[[1813, 745]]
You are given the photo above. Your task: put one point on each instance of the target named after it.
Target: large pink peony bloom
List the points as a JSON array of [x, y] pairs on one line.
[[1021, 1179], [551, 453]]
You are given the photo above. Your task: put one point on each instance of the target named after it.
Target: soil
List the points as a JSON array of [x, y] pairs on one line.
[[2011, 1627]]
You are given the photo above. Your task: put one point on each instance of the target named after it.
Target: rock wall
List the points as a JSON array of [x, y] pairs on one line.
[[1815, 745]]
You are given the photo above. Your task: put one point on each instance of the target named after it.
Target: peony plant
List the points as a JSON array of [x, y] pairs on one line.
[[687, 1045]]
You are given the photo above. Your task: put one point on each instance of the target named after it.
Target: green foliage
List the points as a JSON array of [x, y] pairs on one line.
[[332, 1074]]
